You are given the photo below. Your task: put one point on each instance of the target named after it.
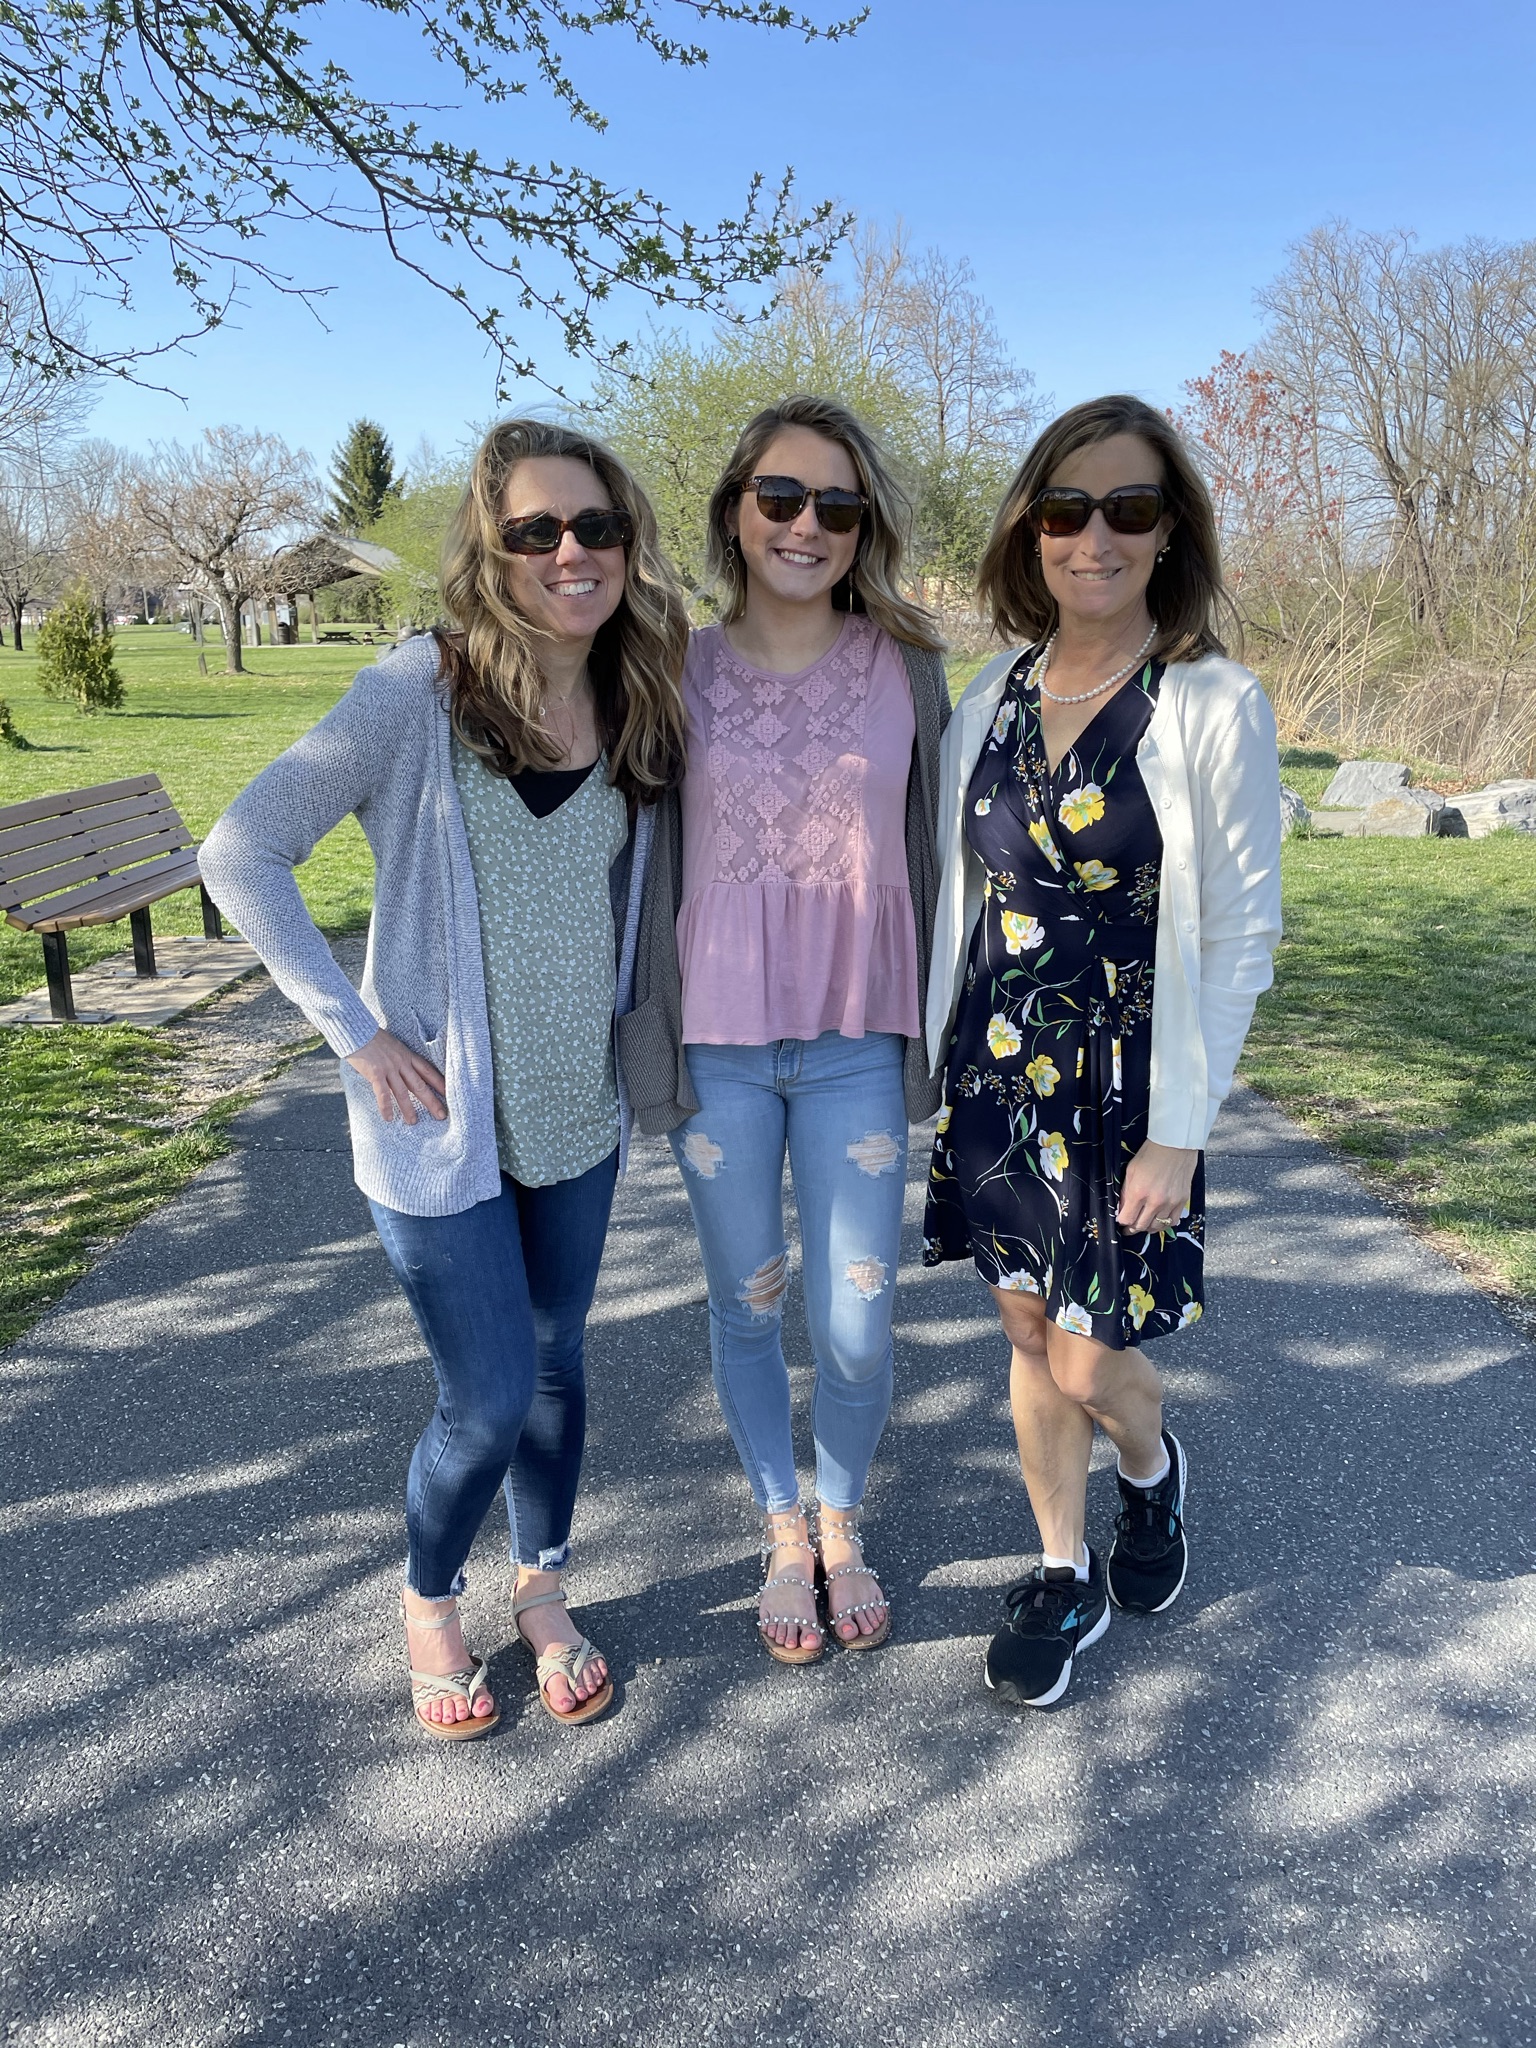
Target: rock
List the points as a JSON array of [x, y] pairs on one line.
[[1406, 814], [1336, 824], [1502, 806], [1358, 784], [1294, 815]]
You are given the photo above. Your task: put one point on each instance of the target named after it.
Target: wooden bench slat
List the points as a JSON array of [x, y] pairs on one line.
[[92, 904], [50, 831], [73, 800], [26, 876]]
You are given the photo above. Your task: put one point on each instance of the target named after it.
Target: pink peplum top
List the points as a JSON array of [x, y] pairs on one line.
[[797, 914]]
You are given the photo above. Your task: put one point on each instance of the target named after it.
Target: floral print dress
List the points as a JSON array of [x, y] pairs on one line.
[[1048, 1076]]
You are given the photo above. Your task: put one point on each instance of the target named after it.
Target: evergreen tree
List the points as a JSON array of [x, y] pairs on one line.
[[362, 477], [75, 655]]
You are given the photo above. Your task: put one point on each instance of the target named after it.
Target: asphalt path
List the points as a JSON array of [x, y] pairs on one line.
[[1296, 1812]]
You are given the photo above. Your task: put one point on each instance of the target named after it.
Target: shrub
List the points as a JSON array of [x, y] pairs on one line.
[[75, 655], [9, 736]]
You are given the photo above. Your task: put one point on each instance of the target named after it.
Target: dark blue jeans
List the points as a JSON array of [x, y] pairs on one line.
[[500, 1294]]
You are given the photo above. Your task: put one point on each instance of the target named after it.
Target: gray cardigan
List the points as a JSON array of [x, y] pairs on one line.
[[383, 754], [651, 1031]]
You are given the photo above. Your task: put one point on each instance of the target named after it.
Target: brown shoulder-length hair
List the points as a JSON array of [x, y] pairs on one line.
[[1186, 595], [490, 655], [873, 584]]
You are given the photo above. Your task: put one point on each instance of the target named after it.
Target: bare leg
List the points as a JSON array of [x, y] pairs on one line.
[[1060, 1385]]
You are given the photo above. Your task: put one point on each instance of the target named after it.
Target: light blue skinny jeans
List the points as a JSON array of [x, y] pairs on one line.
[[836, 1104]]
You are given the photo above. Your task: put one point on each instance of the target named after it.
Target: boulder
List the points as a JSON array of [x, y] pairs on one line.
[[1406, 814], [1294, 815], [1336, 824], [1502, 806], [1357, 784]]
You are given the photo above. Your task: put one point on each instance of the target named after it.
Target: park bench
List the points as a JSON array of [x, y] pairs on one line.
[[92, 856]]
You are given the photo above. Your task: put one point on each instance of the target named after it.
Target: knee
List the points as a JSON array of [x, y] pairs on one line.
[[756, 1304], [487, 1431], [1081, 1371], [857, 1338]]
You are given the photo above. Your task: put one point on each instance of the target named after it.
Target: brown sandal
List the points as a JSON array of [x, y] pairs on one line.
[[428, 1686], [563, 1660], [844, 1525], [781, 1654]]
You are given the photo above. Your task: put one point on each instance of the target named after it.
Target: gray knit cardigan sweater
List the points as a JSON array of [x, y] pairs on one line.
[[651, 1029], [383, 754]]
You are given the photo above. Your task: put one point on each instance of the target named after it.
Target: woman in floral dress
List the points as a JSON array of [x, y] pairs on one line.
[[1107, 909]]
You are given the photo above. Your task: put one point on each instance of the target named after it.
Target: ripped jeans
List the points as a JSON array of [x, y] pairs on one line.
[[500, 1293], [837, 1104]]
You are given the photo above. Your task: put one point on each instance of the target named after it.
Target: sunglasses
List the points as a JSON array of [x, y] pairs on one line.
[[543, 533], [782, 498], [1060, 511]]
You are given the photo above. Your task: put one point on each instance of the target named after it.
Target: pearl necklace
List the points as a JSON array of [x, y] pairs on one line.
[[1119, 676]]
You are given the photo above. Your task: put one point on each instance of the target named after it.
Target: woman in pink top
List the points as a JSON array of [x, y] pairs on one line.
[[814, 713]]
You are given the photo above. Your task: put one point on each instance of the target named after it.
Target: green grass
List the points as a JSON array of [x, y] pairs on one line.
[[1402, 1028], [85, 1143]]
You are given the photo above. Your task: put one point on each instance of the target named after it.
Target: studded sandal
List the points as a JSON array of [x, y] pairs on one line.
[[563, 1660], [781, 1653], [845, 1527], [427, 1687]]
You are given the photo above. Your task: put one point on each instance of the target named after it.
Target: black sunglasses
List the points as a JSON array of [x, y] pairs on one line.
[[782, 498], [1060, 511], [543, 533]]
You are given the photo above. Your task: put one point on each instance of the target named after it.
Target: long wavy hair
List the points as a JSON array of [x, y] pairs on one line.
[[873, 584], [490, 655], [1186, 595]]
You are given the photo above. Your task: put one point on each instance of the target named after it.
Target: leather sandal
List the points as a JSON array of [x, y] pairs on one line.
[[563, 1660], [844, 1525], [780, 1652], [429, 1686]]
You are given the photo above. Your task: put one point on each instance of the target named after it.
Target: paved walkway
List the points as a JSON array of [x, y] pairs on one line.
[[1299, 1810]]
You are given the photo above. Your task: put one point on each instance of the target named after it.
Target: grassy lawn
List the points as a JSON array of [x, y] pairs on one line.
[[1402, 1026], [87, 1144]]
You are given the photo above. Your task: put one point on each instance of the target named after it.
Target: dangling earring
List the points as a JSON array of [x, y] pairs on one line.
[[730, 551], [1038, 549], [1162, 554]]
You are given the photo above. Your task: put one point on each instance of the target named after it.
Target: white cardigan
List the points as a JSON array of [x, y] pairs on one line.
[[1209, 762]]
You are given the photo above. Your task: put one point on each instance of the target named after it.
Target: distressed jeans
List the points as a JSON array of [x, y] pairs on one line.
[[500, 1293], [836, 1104]]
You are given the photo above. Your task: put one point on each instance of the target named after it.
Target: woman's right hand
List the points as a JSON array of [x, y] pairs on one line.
[[400, 1079]]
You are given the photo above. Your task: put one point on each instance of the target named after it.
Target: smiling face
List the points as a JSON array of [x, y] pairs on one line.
[[574, 591], [800, 562], [1099, 577]]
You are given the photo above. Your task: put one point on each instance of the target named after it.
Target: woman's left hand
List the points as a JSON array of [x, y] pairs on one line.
[[1155, 1192]]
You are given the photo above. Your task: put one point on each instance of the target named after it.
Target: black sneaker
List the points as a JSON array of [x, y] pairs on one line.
[[1051, 1616], [1149, 1557]]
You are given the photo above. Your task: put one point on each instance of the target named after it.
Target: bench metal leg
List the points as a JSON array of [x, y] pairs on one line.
[[61, 995], [213, 925], [143, 943]]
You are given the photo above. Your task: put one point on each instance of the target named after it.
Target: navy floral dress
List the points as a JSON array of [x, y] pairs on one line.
[[1049, 1071]]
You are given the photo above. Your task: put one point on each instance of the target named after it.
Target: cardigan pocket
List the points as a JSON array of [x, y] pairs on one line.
[[650, 1056]]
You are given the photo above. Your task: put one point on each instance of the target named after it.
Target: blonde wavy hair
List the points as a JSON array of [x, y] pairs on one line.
[[490, 654], [872, 585]]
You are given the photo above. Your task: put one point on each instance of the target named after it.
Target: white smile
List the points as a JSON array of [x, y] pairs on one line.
[[584, 589], [800, 560], [1095, 575]]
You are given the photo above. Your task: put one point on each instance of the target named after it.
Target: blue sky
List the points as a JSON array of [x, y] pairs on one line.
[[1122, 177]]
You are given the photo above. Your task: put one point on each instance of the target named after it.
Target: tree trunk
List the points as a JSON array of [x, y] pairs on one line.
[[229, 618], [314, 621], [198, 638], [16, 629]]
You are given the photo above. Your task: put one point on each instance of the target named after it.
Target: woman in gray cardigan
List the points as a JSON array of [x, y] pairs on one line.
[[506, 776]]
